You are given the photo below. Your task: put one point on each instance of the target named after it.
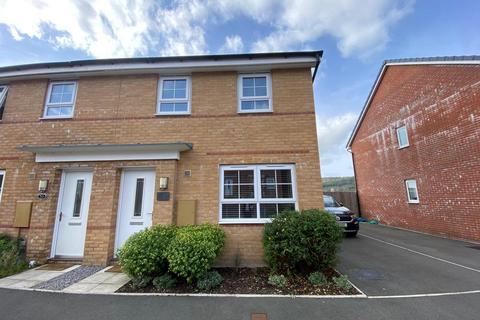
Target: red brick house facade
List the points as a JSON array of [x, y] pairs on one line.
[[93, 151], [416, 147]]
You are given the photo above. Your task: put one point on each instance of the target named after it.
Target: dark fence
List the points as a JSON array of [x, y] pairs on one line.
[[348, 198]]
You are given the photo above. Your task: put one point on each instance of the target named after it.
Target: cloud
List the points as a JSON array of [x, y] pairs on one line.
[[360, 27], [125, 28], [109, 28], [233, 44], [333, 133]]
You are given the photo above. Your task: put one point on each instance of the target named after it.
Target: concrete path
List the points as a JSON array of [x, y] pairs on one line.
[[386, 261], [31, 278], [100, 282]]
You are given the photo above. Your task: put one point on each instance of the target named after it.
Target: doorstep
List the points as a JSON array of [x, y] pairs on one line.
[[100, 282], [31, 278]]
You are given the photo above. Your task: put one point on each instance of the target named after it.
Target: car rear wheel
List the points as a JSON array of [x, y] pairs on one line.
[[352, 234]]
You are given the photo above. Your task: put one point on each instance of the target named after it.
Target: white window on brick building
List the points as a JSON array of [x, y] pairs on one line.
[[402, 137], [174, 96], [412, 191], [2, 181], [60, 99], [3, 97], [254, 93], [256, 193]]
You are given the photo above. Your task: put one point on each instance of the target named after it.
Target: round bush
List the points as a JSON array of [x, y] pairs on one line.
[[165, 281], [302, 242], [209, 281], [194, 249], [144, 254]]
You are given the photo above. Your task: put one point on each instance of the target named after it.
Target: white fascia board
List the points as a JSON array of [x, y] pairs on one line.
[[184, 67], [433, 62], [105, 156]]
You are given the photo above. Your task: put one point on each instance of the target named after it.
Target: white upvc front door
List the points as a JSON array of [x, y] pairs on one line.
[[135, 207], [72, 214]]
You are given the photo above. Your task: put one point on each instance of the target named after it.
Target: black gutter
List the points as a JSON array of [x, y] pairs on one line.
[[247, 56], [319, 58]]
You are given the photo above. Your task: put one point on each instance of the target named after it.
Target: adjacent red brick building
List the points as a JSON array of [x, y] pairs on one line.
[[416, 147]]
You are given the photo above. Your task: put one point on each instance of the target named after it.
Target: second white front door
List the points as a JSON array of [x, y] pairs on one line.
[[135, 207], [72, 214]]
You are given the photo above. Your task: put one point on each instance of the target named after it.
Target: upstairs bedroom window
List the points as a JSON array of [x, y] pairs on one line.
[[60, 99], [255, 93], [402, 137], [174, 96], [256, 193], [3, 97]]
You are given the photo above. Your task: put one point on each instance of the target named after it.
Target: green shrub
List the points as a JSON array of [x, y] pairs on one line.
[[342, 282], [317, 278], [209, 281], [194, 249], [277, 280], [165, 281], [143, 254], [141, 282], [302, 242], [12, 256]]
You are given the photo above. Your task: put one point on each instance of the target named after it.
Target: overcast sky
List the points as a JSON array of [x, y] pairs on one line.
[[356, 37]]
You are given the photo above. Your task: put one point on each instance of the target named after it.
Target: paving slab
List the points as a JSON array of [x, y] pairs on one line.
[[31, 278], [100, 282]]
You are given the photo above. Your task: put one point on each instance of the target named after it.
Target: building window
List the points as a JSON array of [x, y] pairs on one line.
[[137, 210], [255, 93], [2, 181], [412, 192], [77, 204], [60, 99], [256, 193], [3, 98], [174, 95], [402, 137]]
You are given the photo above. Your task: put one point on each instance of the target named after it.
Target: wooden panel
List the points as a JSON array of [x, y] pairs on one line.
[[186, 212], [23, 210]]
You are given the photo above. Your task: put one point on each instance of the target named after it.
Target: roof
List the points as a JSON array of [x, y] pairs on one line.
[[452, 60], [172, 64]]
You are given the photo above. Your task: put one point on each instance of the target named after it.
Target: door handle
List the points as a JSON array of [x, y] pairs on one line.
[[61, 214], [149, 212]]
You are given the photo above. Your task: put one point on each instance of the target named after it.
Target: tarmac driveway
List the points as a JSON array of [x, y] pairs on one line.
[[384, 261]]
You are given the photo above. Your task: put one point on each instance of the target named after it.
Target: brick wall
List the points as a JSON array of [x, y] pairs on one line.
[[120, 110], [440, 105]]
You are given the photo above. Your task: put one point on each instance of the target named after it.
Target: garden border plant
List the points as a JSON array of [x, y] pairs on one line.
[[12, 255]]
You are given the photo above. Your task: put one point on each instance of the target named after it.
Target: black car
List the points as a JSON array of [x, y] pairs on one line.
[[344, 216]]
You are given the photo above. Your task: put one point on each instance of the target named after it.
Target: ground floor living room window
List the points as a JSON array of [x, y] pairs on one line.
[[256, 193]]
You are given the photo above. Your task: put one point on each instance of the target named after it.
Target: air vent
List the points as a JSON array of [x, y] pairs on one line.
[[188, 173]]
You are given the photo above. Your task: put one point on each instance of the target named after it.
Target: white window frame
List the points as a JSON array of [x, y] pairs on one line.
[[187, 99], [3, 96], [57, 104], [399, 132], [416, 190], [2, 186], [257, 199], [242, 98]]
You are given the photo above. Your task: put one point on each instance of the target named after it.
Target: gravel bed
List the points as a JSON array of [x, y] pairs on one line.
[[68, 278]]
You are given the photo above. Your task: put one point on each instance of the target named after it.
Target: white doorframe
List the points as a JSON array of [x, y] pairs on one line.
[[59, 202]]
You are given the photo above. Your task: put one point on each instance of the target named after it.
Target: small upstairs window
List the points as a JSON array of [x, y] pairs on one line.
[[60, 99], [402, 137], [255, 93], [174, 96], [3, 97], [412, 191]]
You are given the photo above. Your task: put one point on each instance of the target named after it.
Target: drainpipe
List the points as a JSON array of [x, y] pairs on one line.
[[355, 179]]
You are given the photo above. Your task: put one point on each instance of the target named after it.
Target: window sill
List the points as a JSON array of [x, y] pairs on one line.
[[413, 202], [254, 111], [172, 114], [400, 148], [55, 118], [244, 221]]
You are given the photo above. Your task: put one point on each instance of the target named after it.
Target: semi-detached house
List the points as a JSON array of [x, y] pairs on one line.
[[93, 151]]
